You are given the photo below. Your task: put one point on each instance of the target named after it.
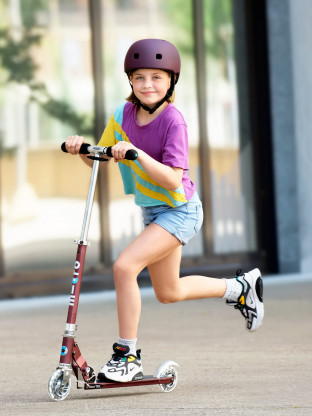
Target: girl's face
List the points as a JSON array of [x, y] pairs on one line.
[[150, 85]]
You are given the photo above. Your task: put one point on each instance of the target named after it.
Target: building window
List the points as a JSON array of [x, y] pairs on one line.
[[230, 141], [46, 94]]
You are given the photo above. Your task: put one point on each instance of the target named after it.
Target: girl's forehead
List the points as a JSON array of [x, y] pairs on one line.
[[149, 71]]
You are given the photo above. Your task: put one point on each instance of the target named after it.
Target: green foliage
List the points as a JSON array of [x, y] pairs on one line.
[[61, 110], [179, 13], [29, 10], [17, 65], [216, 18], [15, 56]]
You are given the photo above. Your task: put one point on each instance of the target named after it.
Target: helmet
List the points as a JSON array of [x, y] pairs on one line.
[[153, 53]]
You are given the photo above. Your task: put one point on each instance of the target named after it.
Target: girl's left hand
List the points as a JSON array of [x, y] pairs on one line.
[[119, 150]]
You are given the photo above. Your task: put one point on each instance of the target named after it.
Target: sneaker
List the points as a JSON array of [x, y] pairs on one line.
[[122, 366], [250, 301]]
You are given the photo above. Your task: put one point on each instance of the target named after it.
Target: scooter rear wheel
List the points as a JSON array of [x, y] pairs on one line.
[[56, 388], [169, 372]]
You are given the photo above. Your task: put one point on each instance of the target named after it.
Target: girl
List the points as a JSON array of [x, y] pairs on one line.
[[172, 212]]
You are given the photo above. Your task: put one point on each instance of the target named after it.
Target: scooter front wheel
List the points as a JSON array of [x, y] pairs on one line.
[[58, 390]]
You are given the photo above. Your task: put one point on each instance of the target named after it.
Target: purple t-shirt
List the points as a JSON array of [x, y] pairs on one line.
[[165, 139]]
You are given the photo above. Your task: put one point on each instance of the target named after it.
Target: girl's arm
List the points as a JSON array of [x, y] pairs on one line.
[[168, 177]]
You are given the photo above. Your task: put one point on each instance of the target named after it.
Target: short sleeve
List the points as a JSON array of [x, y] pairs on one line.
[[175, 151], [108, 136]]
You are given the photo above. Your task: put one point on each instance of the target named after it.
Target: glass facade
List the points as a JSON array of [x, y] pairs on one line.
[[230, 141], [124, 22], [47, 93]]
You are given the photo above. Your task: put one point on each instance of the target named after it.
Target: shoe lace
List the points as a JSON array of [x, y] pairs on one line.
[[115, 358], [242, 309]]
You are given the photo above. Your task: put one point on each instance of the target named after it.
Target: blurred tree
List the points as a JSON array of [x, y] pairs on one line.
[[17, 65], [217, 18], [179, 13]]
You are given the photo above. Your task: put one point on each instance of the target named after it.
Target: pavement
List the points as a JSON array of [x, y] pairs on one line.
[[224, 369]]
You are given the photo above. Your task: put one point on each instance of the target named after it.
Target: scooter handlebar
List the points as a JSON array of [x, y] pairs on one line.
[[87, 148]]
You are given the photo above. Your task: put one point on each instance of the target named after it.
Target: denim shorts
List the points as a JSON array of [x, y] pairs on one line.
[[183, 222]]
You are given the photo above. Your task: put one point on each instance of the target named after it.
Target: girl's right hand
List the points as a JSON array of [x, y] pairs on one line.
[[73, 144]]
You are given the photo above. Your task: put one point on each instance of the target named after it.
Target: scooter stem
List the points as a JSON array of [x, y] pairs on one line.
[[70, 328], [90, 199]]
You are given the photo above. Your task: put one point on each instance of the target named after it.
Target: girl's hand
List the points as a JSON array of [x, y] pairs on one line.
[[73, 144], [120, 149]]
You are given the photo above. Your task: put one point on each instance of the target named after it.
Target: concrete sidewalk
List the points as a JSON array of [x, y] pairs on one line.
[[224, 370]]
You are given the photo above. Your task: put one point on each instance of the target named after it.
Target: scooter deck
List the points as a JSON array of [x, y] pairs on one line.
[[146, 380]]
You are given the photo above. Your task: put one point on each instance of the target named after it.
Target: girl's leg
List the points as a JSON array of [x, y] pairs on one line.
[[244, 290], [152, 245], [169, 287], [161, 252]]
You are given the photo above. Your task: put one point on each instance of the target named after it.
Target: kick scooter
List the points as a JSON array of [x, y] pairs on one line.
[[72, 361]]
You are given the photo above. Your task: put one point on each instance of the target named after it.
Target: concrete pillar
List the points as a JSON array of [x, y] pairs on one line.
[[284, 131], [301, 46]]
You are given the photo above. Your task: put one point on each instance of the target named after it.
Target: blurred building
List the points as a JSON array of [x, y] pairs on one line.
[[244, 92]]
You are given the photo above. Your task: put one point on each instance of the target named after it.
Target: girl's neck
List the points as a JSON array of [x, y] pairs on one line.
[[143, 117]]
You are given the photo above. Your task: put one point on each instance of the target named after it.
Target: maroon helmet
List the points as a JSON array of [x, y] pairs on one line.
[[155, 54]]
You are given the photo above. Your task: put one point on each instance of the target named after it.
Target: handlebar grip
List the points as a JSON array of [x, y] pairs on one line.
[[83, 148], [130, 154], [63, 147]]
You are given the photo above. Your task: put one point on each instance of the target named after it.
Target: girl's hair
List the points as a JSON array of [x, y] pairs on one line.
[[133, 99]]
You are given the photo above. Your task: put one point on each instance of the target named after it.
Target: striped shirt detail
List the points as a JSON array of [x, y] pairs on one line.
[[136, 181]]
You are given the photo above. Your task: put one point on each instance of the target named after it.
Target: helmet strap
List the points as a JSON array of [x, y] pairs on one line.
[[160, 103]]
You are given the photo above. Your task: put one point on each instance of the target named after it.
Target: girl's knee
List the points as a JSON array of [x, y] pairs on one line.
[[167, 297], [124, 270], [119, 267]]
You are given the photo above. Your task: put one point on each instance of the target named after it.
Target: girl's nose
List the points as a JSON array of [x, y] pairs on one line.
[[147, 83]]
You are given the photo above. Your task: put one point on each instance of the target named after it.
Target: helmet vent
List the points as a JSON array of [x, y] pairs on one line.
[[158, 56], [136, 56]]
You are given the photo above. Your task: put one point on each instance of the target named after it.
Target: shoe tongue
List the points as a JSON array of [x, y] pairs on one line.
[[120, 349]]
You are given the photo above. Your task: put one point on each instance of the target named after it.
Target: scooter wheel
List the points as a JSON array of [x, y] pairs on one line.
[[56, 388], [169, 372]]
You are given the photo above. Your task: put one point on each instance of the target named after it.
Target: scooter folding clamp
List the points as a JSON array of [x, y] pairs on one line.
[[82, 242], [100, 159], [70, 330]]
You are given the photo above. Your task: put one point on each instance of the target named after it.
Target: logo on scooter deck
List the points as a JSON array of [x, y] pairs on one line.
[[75, 280], [64, 350]]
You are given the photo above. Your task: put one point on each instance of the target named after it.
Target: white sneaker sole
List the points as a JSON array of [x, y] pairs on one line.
[[116, 376], [254, 276]]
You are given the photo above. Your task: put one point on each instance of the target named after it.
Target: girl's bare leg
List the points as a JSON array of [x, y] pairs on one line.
[[169, 287], [161, 252], [151, 245]]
